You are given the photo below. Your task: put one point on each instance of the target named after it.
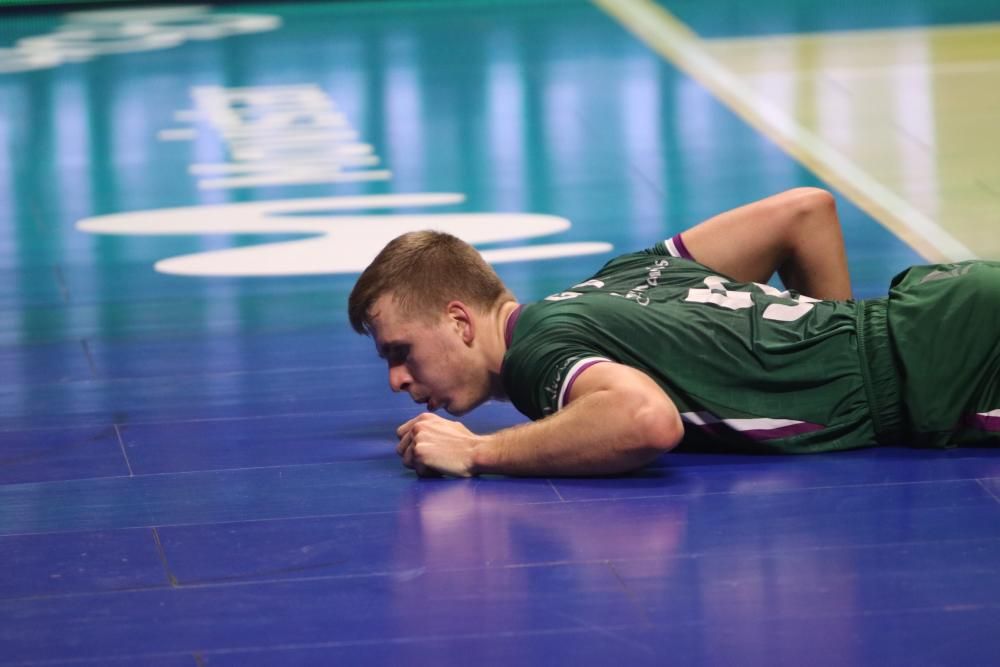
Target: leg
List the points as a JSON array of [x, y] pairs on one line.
[[796, 233]]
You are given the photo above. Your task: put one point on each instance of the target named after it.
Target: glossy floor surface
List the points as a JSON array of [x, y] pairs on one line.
[[196, 461]]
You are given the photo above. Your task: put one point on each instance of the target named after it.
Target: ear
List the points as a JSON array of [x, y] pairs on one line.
[[463, 318]]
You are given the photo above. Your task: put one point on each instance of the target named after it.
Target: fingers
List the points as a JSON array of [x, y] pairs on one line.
[[404, 428], [408, 426], [408, 452], [405, 449], [426, 431], [404, 442], [407, 437]]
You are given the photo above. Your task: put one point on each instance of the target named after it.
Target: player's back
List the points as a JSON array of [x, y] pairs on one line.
[[748, 366]]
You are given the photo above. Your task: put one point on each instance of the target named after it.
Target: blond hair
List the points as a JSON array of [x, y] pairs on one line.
[[423, 271]]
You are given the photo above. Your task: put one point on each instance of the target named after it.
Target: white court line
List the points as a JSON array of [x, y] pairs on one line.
[[669, 37]]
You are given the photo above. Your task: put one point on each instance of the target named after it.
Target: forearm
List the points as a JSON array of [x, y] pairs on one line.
[[593, 435]]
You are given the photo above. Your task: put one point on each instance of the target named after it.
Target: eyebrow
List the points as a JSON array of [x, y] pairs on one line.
[[384, 349]]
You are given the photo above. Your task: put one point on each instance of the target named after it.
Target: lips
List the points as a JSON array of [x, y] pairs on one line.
[[427, 400], [432, 404]]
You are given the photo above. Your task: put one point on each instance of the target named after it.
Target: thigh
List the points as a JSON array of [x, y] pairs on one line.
[[945, 325]]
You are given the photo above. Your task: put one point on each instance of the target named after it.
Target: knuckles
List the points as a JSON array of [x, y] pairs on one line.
[[423, 423], [419, 452], [411, 425]]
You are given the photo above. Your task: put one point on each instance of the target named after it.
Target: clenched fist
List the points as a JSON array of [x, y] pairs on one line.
[[433, 445]]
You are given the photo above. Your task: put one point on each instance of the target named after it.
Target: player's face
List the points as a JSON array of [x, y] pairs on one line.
[[430, 360]]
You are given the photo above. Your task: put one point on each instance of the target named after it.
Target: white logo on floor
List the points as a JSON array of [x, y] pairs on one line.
[[294, 135], [347, 243]]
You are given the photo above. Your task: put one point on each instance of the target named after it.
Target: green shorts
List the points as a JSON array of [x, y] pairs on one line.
[[944, 332]]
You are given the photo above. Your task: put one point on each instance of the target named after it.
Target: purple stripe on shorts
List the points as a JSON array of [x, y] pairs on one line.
[[681, 248], [782, 431], [983, 422], [570, 381]]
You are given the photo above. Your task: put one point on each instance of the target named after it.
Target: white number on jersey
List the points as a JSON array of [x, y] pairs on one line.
[[716, 293], [562, 296]]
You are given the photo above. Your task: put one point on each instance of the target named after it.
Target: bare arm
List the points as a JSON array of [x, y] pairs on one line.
[[617, 419], [795, 233]]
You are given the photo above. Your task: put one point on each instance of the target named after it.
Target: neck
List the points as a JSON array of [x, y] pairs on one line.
[[497, 343]]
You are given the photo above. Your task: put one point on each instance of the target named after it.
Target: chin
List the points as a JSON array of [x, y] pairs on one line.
[[457, 409]]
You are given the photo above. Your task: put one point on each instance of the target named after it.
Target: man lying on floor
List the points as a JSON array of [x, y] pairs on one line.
[[685, 342]]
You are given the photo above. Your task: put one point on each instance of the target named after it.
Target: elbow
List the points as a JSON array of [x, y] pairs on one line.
[[809, 201], [658, 426], [816, 212]]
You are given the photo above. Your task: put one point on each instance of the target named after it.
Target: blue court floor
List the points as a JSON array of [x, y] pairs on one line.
[[197, 458]]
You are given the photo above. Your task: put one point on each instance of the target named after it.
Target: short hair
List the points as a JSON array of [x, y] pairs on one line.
[[423, 271]]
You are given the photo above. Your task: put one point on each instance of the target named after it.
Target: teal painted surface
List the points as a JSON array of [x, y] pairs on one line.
[[525, 108]]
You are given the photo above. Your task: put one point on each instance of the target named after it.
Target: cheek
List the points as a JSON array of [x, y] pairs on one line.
[[430, 371], [440, 371]]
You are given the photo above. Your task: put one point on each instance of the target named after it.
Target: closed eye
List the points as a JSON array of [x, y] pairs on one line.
[[397, 354]]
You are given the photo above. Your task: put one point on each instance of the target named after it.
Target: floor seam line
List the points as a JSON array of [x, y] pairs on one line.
[[982, 482], [161, 552], [121, 444]]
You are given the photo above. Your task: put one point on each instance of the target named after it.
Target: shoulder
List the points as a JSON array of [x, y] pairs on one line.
[[547, 323], [550, 343]]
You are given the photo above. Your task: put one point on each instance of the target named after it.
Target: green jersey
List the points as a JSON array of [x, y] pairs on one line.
[[748, 366]]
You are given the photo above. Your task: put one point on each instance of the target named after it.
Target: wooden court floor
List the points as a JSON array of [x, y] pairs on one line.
[[196, 453]]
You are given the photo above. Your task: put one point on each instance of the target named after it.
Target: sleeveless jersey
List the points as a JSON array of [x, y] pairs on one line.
[[749, 367]]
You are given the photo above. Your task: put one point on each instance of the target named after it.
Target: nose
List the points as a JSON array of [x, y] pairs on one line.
[[399, 378]]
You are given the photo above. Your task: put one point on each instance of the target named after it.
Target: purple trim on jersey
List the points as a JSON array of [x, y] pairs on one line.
[[508, 331], [782, 431], [681, 248], [983, 422], [571, 380]]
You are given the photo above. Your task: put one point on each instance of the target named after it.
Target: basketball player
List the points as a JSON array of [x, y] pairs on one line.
[[685, 343]]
